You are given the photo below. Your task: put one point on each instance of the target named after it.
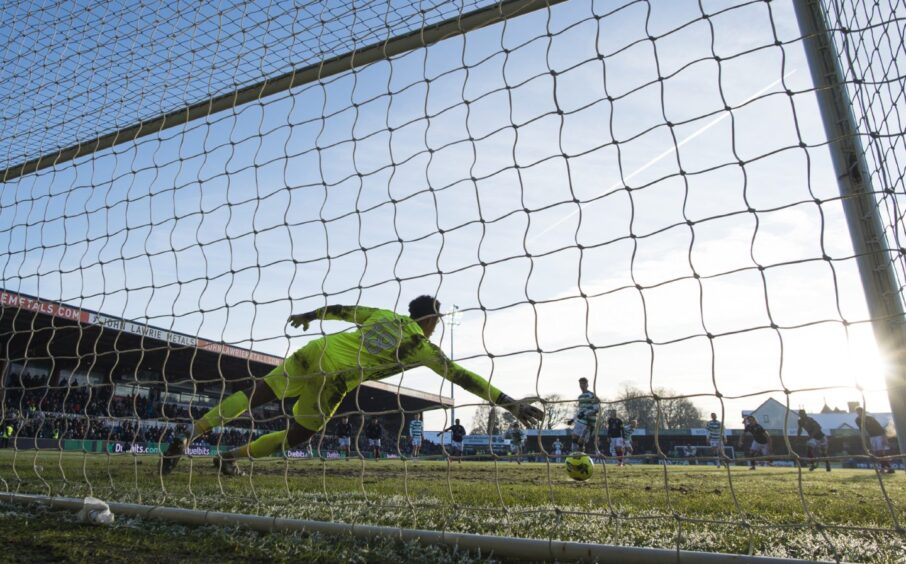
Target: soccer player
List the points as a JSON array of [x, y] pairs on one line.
[[344, 435], [877, 438], [586, 415], [715, 436], [628, 430], [817, 440], [373, 432], [615, 436], [761, 440], [321, 373], [516, 438], [558, 449], [457, 434], [416, 431]]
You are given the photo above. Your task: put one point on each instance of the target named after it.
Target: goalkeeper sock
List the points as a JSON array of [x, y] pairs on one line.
[[221, 414], [262, 446]]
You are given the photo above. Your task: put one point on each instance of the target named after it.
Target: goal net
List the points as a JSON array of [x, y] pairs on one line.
[[696, 206]]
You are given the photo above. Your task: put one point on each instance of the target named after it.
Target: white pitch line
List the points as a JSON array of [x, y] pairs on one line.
[[669, 151]]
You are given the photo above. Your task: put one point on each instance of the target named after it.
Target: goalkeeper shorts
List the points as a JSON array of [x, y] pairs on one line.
[[309, 375]]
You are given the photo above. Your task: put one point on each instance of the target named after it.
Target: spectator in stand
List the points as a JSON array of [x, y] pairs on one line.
[[875, 437], [81, 411]]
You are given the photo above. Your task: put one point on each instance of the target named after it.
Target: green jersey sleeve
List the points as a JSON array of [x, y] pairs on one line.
[[353, 314], [428, 354]]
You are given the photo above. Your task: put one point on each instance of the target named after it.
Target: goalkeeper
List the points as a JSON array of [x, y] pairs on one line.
[[321, 373]]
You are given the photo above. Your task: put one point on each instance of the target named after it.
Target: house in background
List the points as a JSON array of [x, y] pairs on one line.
[[772, 413]]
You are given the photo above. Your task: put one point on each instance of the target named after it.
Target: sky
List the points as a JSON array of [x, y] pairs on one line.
[[586, 217]]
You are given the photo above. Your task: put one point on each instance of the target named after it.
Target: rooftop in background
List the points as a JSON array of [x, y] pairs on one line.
[[770, 415], [66, 337]]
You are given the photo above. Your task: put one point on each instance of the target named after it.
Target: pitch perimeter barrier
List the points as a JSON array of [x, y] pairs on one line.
[[125, 447]]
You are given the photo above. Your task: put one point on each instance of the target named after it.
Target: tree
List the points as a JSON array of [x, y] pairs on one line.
[[638, 406], [505, 420], [481, 419], [679, 412], [490, 420], [675, 412], [556, 410]]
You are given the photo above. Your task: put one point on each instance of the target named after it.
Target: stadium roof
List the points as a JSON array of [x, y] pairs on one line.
[[65, 337]]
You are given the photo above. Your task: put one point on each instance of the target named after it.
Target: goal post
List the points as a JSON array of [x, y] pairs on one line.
[[424, 36], [642, 216], [875, 255]]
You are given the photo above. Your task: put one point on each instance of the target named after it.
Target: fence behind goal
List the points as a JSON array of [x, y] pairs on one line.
[[694, 205]]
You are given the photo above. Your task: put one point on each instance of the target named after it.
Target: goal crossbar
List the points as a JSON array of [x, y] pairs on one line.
[[422, 37]]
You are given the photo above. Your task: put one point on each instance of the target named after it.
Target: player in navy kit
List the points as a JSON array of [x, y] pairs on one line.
[[761, 440], [817, 440]]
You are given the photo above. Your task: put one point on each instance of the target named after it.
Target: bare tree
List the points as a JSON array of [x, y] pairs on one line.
[[556, 410], [481, 419], [679, 412], [634, 404], [505, 420], [675, 412], [491, 420]]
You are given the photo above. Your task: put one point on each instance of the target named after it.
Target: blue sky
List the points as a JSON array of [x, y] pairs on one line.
[[491, 170]]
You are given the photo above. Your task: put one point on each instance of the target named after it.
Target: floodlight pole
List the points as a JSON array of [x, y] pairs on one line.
[[453, 323], [875, 261]]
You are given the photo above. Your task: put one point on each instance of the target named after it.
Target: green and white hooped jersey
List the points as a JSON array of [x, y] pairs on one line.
[[628, 430], [713, 428], [587, 411], [416, 428]]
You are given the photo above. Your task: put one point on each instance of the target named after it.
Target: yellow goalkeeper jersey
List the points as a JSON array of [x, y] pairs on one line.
[[385, 344]]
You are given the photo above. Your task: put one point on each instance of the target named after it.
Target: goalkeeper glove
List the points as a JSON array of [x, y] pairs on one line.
[[302, 319], [523, 410]]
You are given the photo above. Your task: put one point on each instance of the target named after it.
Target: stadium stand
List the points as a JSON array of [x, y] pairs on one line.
[[70, 374]]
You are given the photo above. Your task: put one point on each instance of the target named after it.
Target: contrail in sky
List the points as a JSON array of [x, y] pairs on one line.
[[669, 151]]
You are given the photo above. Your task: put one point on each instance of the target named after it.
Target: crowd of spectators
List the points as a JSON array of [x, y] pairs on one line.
[[35, 409], [31, 393], [69, 411]]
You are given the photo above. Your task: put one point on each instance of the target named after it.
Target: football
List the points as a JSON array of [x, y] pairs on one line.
[[579, 466]]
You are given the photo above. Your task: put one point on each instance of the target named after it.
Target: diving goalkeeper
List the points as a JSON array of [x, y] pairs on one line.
[[321, 373]]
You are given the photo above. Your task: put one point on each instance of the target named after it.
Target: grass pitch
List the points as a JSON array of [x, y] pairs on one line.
[[853, 515]]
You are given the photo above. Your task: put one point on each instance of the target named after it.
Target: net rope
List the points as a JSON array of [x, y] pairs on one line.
[[637, 192]]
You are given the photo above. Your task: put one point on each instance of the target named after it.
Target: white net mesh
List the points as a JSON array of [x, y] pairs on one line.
[[639, 193]]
